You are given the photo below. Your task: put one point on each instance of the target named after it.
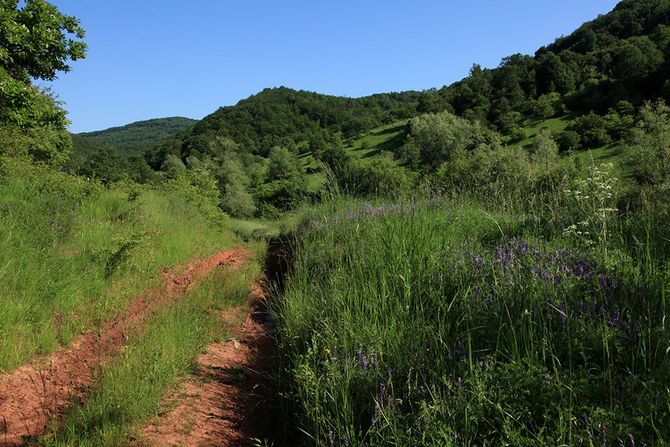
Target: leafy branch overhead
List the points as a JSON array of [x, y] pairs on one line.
[[38, 41]]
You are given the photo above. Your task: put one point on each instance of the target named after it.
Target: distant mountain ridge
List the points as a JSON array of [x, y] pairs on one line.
[[137, 137]]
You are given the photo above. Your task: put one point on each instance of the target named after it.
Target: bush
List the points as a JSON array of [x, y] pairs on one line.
[[544, 151], [280, 194], [383, 178], [593, 130], [568, 141], [198, 187], [653, 145], [435, 138], [488, 173]]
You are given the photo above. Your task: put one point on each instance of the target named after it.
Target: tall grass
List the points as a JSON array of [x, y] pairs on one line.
[[445, 324], [73, 253], [131, 388]]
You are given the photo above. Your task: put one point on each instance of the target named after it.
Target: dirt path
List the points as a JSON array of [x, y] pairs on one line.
[[32, 397], [227, 402]]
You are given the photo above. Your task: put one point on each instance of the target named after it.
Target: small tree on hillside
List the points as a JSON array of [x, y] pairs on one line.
[[653, 144], [545, 151], [434, 138], [283, 165], [234, 184]]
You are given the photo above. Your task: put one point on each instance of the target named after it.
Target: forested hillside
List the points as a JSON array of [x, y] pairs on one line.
[[285, 117], [136, 138], [595, 80]]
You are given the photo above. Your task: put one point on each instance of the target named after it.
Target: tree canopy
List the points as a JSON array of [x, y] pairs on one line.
[[36, 42]]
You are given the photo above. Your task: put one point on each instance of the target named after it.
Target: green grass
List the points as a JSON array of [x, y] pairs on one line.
[[446, 324], [384, 138], [315, 177], [249, 229], [554, 125], [365, 147], [130, 390], [616, 153], [72, 253]]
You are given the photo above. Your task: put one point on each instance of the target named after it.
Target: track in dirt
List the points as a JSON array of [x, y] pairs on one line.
[[228, 401], [31, 397]]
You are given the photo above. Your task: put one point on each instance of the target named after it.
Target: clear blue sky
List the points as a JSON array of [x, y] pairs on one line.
[[157, 58]]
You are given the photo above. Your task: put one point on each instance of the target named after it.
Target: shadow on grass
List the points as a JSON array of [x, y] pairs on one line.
[[391, 145], [394, 129]]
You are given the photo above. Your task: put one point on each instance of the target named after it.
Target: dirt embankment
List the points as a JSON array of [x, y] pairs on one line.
[[32, 397]]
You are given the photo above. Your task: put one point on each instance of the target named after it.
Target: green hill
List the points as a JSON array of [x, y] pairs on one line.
[[286, 117], [612, 63], [137, 137]]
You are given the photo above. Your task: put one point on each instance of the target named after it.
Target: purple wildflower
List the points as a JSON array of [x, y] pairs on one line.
[[581, 269], [604, 281], [562, 312]]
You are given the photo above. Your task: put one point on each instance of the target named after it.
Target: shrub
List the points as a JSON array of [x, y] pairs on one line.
[[435, 138], [199, 188], [383, 178], [653, 145], [568, 141], [593, 130]]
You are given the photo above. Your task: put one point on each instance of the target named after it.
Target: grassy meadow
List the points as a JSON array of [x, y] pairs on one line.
[[384, 138], [458, 322]]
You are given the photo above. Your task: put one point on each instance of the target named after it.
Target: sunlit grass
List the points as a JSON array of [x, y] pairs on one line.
[[73, 253]]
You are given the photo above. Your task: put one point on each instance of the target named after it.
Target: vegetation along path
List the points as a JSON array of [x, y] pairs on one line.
[[34, 396]]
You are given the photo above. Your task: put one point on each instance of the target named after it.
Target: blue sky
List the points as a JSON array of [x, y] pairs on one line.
[[157, 58]]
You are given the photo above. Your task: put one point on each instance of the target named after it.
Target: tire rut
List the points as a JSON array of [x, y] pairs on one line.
[[33, 398], [228, 400]]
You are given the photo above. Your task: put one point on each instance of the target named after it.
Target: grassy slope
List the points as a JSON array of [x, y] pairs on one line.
[[533, 128], [72, 253], [364, 147], [385, 138], [390, 137]]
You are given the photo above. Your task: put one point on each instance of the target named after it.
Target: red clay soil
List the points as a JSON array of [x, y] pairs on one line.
[[31, 397], [227, 401]]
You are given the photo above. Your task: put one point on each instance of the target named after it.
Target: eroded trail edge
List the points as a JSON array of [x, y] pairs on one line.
[[31, 397], [228, 400]]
